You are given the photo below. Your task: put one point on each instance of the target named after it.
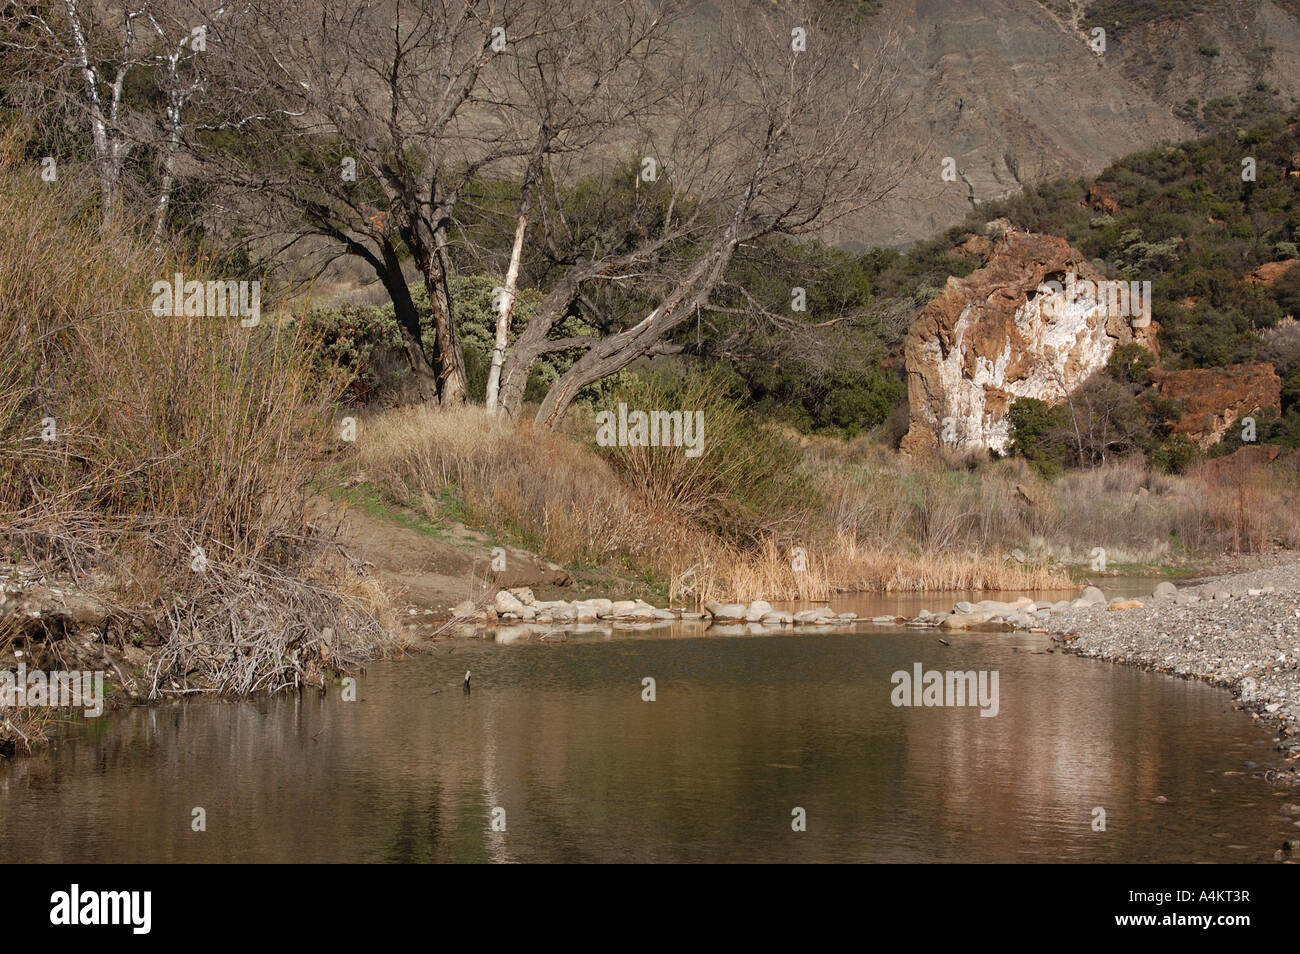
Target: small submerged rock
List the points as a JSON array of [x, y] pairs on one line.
[[520, 605], [727, 612], [506, 602]]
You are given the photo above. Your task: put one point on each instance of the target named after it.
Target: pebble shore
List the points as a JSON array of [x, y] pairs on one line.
[[1240, 631]]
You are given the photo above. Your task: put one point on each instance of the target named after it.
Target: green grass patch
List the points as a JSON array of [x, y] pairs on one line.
[[376, 503]]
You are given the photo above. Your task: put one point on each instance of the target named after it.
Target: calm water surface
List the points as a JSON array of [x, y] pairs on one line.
[[743, 731]]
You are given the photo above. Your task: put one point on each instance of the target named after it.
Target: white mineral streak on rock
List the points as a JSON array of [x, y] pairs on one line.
[[1003, 333]]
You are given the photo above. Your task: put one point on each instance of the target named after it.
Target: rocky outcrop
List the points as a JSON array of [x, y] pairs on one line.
[[1102, 197], [1213, 399], [1268, 273], [1030, 323]]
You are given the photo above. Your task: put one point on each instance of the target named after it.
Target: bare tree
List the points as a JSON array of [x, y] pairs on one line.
[[776, 122], [1067, 398], [181, 44], [757, 121], [563, 91], [91, 53], [377, 122], [101, 50]]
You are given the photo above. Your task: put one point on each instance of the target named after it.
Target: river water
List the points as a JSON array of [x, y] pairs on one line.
[[557, 745]]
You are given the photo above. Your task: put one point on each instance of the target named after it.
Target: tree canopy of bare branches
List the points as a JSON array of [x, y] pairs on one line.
[[639, 146]]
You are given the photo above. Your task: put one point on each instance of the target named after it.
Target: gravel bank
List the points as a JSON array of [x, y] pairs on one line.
[[1240, 631]]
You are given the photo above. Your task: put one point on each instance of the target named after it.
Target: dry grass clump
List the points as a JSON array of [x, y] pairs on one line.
[[895, 506], [557, 495], [816, 572], [715, 466], [1122, 506], [1242, 504], [571, 505], [854, 568], [893, 524], [769, 571], [130, 440], [879, 521]]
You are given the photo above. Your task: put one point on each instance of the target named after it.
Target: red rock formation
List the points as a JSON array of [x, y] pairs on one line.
[[1101, 198], [1006, 332], [1270, 272], [977, 245], [1213, 399], [1243, 459]]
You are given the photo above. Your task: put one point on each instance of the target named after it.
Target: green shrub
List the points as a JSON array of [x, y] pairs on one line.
[[1286, 291], [747, 482], [1284, 429], [1271, 427], [1120, 16], [1163, 413], [1174, 454], [1131, 363], [821, 371], [354, 340], [366, 341], [1186, 220], [1037, 435], [1291, 390]]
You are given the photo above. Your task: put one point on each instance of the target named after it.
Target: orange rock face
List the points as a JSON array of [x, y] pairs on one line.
[[1215, 398], [1033, 322], [1269, 273], [977, 245], [1102, 199]]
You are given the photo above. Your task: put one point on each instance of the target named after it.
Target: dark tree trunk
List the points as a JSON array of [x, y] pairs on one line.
[[449, 356], [616, 352], [408, 322]]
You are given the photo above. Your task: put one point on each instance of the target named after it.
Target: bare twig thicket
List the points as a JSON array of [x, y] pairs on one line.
[[758, 137], [168, 455]]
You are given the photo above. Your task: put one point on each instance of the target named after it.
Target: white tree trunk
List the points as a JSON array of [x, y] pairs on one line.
[[506, 312]]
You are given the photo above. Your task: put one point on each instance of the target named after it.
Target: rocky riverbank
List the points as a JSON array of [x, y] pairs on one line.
[[1240, 631], [520, 605]]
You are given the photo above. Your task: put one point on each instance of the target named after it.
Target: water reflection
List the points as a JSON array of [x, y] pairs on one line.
[[744, 730]]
